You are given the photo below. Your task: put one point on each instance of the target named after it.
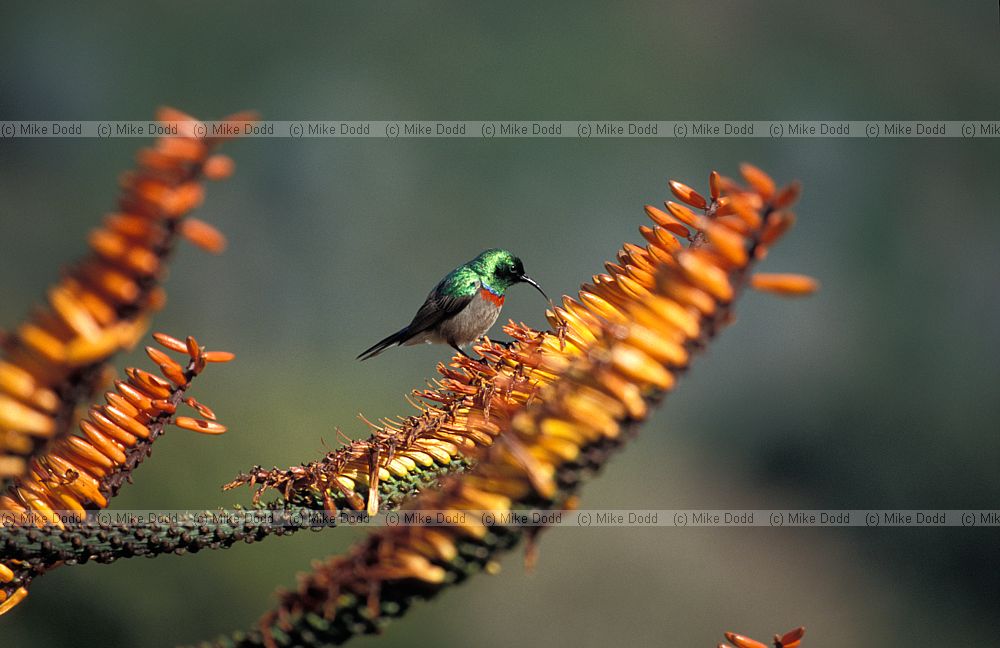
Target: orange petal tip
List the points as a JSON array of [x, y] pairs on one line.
[[198, 425], [218, 167], [740, 641], [203, 235], [713, 185], [170, 342], [790, 639], [688, 195], [760, 181], [789, 285]]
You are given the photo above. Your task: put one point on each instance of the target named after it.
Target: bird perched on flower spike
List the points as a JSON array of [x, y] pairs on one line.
[[463, 305]]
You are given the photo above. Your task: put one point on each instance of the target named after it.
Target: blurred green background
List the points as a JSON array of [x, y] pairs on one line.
[[879, 392]]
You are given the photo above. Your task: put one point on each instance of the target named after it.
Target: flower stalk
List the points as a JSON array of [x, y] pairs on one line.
[[539, 416], [52, 475]]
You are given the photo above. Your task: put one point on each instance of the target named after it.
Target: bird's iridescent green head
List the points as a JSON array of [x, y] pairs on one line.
[[500, 269]]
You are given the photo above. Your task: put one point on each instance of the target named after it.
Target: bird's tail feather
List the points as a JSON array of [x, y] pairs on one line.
[[398, 337]]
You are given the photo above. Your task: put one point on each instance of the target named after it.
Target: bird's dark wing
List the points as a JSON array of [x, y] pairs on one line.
[[439, 307]]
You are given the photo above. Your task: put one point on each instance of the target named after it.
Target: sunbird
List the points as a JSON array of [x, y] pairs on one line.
[[463, 306]]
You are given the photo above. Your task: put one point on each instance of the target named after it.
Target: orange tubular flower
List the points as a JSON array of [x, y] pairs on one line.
[[81, 472], [103, 305], [791, 639]]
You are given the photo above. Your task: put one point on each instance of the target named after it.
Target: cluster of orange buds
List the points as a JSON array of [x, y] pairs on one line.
[[81, 472], [613, 353], [636, 326], [103, 304], [791, 639]]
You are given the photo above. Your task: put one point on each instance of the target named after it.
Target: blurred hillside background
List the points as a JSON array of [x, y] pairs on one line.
[[879, 392]]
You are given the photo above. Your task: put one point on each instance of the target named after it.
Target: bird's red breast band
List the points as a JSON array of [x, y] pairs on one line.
[[490, 297]]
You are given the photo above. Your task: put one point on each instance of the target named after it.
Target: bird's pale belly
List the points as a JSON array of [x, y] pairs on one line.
[[465, 327]]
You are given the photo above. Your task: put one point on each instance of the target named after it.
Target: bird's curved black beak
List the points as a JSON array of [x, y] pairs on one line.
[[528, 280]]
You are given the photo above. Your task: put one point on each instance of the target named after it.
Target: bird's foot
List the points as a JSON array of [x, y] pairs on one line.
[[460, 351], [481, 360]]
